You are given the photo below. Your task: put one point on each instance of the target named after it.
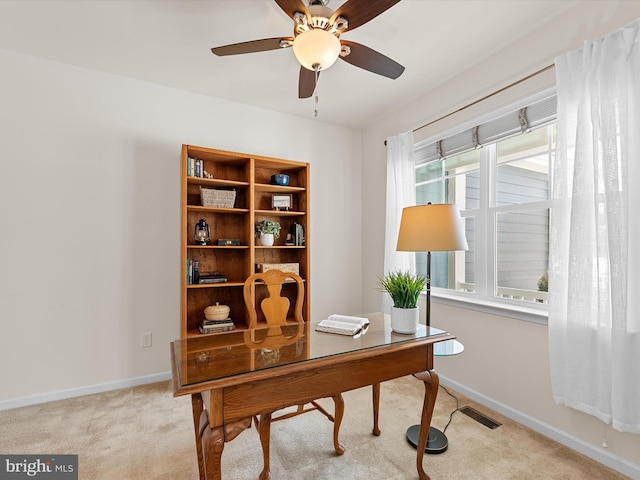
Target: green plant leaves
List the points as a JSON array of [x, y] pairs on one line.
[[267, 226], [404, 288]]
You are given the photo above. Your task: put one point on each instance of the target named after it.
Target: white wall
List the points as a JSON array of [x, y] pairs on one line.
[[505, 363], [90, 219]]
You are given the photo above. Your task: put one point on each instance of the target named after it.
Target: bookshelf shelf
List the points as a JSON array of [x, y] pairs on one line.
[[216, 285], [233, 211], [280, 213], [218, 247], [216, 182]]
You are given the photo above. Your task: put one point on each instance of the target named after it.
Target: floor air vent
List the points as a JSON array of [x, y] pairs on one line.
[[480, 418]]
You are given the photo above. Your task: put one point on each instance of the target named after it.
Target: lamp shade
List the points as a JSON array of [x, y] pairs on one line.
[[316, 47], [431, 228]]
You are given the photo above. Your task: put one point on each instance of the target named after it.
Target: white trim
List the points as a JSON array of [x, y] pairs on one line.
[[515, 309], [80, 391], [598, 454]]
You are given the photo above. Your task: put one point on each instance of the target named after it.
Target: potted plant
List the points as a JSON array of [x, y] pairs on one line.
[[543, 282], [404, 289], [267, 230]]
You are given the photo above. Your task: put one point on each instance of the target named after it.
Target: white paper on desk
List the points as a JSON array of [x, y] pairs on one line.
[[343, 324]]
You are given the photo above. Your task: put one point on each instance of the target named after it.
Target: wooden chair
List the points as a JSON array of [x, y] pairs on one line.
[[275, 309]]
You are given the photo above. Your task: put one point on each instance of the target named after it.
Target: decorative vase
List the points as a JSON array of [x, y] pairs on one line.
[[404, 320], [266, 239]]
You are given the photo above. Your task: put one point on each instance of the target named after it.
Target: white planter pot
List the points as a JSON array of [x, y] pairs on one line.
[[266, 239], [404, 320]]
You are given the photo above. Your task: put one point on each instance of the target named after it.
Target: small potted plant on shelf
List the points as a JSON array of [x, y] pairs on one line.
[[266, 231], [404, 289]]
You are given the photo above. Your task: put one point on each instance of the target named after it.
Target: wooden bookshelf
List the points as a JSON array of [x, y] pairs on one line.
[[250, 177]]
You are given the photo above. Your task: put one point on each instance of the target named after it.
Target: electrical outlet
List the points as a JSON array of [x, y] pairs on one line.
[[145, 339]]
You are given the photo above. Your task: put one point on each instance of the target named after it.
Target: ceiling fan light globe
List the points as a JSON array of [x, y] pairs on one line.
[[316, 47]]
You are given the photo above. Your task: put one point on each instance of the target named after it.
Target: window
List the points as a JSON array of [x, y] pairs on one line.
[[500, 179]]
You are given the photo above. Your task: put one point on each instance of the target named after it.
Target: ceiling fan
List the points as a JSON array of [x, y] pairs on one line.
[[316, 42]]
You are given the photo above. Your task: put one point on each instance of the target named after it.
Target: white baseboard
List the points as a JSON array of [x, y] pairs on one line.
[[88, 390], [604, 457]]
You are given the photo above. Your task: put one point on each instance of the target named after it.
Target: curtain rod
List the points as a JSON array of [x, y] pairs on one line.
[[513, 84]]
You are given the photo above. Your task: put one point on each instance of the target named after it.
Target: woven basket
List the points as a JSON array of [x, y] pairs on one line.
[[210, 197]]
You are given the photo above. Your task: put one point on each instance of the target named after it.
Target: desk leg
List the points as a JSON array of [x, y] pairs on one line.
[[197, 409], [212, 446], [431, 383]]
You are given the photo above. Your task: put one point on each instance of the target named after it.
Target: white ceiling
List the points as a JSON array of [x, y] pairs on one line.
[[168, 42]]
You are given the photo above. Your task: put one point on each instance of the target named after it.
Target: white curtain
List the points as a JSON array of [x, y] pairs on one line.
[[401, 192], [594, 267]]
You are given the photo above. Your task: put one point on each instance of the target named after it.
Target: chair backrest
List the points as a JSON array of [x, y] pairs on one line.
[[275, 307]]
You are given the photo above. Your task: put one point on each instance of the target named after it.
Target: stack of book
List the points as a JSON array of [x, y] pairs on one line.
[[195, 167], [216, 326], [193, 271], [215, 277]]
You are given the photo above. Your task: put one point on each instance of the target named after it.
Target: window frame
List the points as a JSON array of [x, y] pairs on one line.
[[483, 299]]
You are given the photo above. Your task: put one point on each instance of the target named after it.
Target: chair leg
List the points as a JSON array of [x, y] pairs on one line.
[[376, 408], [339, 413], [265, 431], [316, 406]]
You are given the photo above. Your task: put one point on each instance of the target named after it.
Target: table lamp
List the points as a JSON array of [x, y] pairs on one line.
[[430, 228]]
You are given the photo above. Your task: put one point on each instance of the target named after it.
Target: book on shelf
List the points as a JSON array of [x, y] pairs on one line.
[[216, 326], [193, 271], [211, 274], [343, 325], [212, 278], [227, 320], [207, 280], [228, 328]]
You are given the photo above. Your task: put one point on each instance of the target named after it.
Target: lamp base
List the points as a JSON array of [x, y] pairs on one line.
[[436, 441]]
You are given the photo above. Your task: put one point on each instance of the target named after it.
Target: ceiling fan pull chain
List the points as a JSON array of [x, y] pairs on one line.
[[315, 89]]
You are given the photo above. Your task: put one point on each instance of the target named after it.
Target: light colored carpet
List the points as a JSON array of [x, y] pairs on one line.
[[145, 433]]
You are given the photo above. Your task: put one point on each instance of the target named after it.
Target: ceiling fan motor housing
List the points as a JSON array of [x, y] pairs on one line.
[[319, 16]]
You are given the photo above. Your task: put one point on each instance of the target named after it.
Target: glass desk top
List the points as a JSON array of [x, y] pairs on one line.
[[213, 357]]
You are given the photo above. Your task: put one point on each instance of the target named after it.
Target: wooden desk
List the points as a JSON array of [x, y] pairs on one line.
[[230, 381]]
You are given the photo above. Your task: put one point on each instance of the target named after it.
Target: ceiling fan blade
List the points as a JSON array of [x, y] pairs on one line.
[[369, 59], [359, 12], [250, 47], [292, 6], [306, 83]]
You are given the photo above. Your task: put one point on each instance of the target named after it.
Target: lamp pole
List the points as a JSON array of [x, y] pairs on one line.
[[428, 306]]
